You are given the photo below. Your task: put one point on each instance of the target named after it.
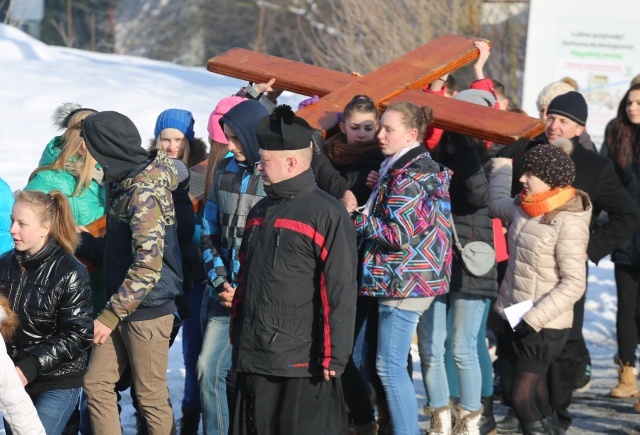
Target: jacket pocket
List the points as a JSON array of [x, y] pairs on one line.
[[284, 334]]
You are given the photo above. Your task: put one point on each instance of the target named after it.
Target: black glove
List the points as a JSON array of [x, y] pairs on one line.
[[517, 147], [318, 142], [523, 328]]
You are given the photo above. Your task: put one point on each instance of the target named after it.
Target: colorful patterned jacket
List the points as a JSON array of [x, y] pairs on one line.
[[407, 238]]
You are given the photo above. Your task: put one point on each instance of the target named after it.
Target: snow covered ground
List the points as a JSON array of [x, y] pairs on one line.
[[36, 78]]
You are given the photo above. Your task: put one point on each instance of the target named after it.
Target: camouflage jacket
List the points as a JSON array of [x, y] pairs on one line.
[[143, 269]]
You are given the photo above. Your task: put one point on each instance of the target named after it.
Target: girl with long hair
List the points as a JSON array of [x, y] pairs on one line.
[[48, 288], [622, 146], [405, 231]]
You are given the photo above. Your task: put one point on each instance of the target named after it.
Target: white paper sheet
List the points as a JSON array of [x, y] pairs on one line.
[[516, 312]]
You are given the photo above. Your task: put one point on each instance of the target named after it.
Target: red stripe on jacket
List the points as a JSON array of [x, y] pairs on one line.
[[319, 240]]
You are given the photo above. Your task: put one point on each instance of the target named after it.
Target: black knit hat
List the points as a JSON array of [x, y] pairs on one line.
[[572, 105], [113, 140], [283, 130], [550, 164]]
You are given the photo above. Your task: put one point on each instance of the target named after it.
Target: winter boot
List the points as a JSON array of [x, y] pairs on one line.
[[627, 383], [439, 420], [189, 422], [467, 422], [582, 381], [540, 427], [366, 429], [487, 421], [510, 424]]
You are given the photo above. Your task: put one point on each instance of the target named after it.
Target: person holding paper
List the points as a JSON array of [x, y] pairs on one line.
[[548, 236]]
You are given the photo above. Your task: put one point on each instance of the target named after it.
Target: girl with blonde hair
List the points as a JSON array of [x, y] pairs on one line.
[[48, 289], [67, 166]]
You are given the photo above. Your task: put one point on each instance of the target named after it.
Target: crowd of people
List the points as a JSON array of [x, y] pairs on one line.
[[310, 266]]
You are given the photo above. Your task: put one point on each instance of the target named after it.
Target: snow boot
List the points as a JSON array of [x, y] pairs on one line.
[[510, 424], [582, 381], [487, 421], [439, 420], [467, 422], [627, 383], [540, 427]]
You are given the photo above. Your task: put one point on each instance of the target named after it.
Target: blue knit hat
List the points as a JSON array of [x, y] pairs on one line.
[[179, 119]]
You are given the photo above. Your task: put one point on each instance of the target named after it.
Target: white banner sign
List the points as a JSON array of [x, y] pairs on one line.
[[595, 43]]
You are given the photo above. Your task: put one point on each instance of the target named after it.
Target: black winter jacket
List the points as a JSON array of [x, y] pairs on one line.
[[337, 179], [469, 192], [294, 309], [50, 292], [596, 176], [628, 252]]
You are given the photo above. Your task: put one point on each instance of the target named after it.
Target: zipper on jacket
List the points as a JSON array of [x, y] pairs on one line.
[[275, 253], [23, 276], [278, 331]]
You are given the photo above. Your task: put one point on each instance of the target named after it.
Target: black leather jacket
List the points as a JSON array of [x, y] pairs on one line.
[[50, 292]]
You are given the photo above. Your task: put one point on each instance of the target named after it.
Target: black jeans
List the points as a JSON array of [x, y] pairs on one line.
[[628, 316]]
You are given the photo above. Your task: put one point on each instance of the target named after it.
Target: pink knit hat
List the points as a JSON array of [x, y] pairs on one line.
[[214, 128]]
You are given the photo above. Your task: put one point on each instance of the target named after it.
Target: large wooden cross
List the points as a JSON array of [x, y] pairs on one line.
[[399, 80]]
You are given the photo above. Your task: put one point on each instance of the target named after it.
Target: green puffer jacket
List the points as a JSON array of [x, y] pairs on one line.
[[88, 206]]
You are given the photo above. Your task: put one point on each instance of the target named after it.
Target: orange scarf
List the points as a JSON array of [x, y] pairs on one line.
[[538, 204]]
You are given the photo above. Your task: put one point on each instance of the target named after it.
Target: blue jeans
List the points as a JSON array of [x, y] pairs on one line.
[[432, 332], [396, 329], [486, 365], [54, 408], [212, 368], [191, 347], [464, 321]]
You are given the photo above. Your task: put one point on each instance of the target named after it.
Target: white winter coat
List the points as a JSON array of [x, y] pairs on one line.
[[547, 254], [15, 404]]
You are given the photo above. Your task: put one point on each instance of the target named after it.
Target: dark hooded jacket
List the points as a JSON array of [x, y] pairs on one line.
[[143, 269], [186, 220], [236, 188]]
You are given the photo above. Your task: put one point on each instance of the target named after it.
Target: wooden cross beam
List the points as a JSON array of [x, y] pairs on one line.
[[391, 82]]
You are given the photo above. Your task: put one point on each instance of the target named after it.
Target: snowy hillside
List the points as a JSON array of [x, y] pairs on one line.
[[36, 78]]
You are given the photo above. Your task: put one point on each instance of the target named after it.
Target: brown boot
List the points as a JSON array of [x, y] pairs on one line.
[[627, 383]]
